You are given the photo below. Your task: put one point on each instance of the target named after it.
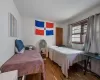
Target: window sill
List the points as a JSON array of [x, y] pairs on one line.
[[77, 42]]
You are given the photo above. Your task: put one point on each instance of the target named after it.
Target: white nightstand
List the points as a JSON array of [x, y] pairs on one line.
[[12, 75]]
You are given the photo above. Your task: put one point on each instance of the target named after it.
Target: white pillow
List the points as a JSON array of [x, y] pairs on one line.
[[22, 51]]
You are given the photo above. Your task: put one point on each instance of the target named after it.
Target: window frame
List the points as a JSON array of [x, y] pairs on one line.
[[82, 24], [13, 28]]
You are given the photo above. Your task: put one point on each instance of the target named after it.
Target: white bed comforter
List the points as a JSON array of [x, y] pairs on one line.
[[65, 57]]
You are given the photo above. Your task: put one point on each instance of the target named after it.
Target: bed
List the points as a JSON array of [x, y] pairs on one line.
[[65, 57], [30, 62]]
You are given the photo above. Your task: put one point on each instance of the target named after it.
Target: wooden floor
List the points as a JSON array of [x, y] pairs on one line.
[[53, 72]]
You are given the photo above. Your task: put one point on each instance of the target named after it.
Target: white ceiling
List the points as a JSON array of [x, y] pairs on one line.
[[53, 10]]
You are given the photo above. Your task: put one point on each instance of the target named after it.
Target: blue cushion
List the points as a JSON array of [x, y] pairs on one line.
[[19, 45]]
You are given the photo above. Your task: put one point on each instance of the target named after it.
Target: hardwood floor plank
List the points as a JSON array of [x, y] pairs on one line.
[[53, 72]]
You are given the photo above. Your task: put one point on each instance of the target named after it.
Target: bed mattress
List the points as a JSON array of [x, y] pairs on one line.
[[65, 57], [29, 62]]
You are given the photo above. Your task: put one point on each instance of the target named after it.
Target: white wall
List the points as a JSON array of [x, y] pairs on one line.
[[29, 36], [6, 42], [79, 17]]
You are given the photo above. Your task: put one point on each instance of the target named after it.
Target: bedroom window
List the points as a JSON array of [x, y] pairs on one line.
[[79, 33]]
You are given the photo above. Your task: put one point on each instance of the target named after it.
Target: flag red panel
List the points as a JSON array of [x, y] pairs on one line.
[[49, 25], [39, 32]]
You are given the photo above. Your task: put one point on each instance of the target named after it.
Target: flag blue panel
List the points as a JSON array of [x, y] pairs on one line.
[[49, 32], [39, 24]]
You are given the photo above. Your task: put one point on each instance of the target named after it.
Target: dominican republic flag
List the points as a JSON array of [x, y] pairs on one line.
[[44, 28]]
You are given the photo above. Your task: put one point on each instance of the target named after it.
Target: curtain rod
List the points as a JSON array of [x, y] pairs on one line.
[[83, 20], [97, 14]]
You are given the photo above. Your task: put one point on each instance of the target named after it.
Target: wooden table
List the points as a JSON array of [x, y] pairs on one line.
[[87, 61]]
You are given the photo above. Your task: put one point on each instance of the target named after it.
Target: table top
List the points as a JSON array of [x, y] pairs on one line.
[[92, 55]]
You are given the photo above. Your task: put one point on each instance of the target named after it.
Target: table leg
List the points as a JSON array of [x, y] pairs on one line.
[[90, 65], [86, 62], [85, 66]]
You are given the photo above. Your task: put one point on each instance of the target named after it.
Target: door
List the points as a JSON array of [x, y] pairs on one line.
[[59, 36]]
